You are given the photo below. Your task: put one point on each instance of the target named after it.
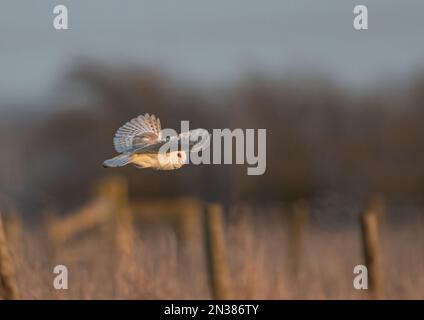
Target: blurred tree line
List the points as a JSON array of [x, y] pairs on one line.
[[320, 137]]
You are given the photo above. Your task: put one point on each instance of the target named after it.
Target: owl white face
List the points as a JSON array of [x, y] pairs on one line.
[[178, 158], [172, 160]]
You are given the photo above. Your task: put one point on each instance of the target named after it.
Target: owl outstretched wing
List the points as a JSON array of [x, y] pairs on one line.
[[140, 132], [195, 140]]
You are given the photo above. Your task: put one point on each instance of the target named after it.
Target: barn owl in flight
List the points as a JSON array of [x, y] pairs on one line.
[[139, 142]]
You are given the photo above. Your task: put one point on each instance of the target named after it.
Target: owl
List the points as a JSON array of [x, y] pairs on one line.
[[139, 141]]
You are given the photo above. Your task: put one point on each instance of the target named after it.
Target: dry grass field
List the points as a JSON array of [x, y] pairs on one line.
[[268, 254]]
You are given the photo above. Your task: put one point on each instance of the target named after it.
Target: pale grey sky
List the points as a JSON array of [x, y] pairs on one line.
[[208, 40]]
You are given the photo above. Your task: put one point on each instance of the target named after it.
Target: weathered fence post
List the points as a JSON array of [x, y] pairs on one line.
[[114, 190], [8, 284], [371, 249], [218, 270], [188, 221], [298, 224], [377, 204]]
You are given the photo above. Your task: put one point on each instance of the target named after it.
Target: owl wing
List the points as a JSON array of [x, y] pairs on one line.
[[192, 137], [138, 133], [155, 147]]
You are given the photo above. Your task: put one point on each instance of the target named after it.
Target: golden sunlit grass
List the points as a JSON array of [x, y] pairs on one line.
[[159, 265]]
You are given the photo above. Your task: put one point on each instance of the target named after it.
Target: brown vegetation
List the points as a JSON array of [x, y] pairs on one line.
[[250, 254]]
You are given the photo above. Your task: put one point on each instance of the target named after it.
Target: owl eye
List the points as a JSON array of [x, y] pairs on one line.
[[179, 155]]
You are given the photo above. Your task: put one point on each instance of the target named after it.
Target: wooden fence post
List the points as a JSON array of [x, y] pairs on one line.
[[218, 270], [298, 223], [114, 190], [188, 225], [8, 284], [377, 204], [371, 250]]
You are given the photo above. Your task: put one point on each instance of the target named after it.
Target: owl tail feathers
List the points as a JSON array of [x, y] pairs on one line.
[[118, 161]]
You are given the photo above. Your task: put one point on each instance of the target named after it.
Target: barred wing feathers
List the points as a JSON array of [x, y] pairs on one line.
[[138, 133]]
